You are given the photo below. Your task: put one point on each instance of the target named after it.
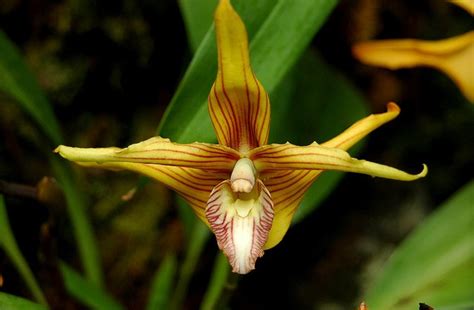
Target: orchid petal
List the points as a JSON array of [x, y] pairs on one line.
[[317, 157], [453, 56], [241, 223], [238, 104], [467, 5], [289, 186], [362, 128], [158, 151]]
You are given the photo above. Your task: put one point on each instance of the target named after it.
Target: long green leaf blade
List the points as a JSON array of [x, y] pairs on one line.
[[197, 16], [199, 236], [86, 292], [17, 81], [11, 302], [82, 228], [435, 264], [9, 245], [160, 291], [218, 281]]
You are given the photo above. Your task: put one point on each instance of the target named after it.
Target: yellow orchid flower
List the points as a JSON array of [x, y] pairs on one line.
[[453, 56], [467, 5], [245, 190]]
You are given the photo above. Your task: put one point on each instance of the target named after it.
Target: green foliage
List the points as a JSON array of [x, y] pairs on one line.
[[197, 16], [219, 276], [10, 302], [19, 83], [435, 264], [9, 245], [161, 287], [81, 226], [86, 292], [200, 234]]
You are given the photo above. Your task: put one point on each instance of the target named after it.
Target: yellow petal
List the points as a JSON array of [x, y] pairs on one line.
[[238, 105], [453, 56], [289, 186], [158, 151], [317, 157], [362, 128], [467, 5], [241, 223], [194, 185]]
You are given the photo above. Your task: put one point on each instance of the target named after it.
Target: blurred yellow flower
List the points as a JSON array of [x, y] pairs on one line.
[[245, 190], [467, 5], [453, 56]]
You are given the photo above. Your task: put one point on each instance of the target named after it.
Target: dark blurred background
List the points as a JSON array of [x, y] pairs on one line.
[[111, 67]]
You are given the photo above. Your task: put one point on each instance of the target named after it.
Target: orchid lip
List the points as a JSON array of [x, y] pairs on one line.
[[241, 223]]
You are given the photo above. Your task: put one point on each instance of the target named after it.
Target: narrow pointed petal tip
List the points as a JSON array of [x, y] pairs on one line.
[[363, 127], [85, 154], [393, 107], [422, 174]]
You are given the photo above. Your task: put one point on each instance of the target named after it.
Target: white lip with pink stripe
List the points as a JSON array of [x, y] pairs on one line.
[[241, 223]]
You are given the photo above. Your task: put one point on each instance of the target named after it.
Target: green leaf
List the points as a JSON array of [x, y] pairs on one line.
[[435, 264], [160, 292], [17, 81], [86, 292], [9, 245], [81, 226], [11, 302], [278, 35], [315, 103], [197, 17], [218, 281], [199, 236]]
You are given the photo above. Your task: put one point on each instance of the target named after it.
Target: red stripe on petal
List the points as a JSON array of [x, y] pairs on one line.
[[241, 226]]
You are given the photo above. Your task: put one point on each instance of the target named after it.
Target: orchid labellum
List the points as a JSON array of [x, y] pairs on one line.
[[245, 190]]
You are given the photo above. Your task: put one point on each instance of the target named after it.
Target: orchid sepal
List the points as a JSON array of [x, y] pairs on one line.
[[158, 151], [316, 157], [238, 104]]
